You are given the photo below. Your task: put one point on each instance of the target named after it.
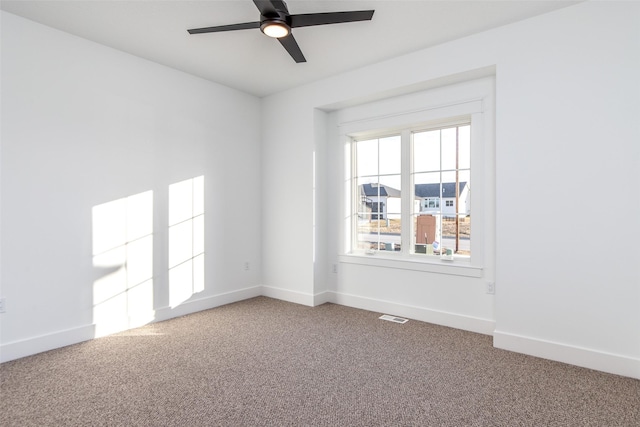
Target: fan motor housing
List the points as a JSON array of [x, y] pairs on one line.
[[278, 18]]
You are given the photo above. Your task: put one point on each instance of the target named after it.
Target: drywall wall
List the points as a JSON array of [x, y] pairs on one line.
[[93, 141], [567, 102]]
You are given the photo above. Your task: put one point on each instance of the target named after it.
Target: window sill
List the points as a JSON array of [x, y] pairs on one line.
[[456, 267]]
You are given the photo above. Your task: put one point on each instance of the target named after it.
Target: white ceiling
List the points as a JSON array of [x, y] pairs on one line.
[[248, 60]]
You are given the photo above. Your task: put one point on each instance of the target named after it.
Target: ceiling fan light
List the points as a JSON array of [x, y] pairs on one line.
[[275, 29]]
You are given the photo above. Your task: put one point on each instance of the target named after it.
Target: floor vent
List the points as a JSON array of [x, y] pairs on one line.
[[393, 318]]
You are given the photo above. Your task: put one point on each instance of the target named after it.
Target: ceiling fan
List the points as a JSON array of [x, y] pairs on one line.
[[276, 21]]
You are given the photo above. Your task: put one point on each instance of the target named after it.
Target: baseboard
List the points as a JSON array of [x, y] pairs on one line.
[[27, 347], [322, 298], [453, 320], [584, 357], [195, 305], [288, 295]]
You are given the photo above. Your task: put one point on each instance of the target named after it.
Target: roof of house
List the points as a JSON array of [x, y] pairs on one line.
[[433, 190], [422, 190], [371, 190]]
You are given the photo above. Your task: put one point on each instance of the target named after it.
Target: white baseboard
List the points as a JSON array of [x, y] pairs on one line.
[[453, 320], [584, 357], [193, 306], [322, 298], [27, 347], [288, 295]]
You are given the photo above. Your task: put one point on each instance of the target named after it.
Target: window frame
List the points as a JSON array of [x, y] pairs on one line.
[[469, 102], [407, 237]]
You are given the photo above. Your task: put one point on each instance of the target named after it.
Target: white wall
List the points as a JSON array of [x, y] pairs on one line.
[[287, 225], [84, 125], [567, 104]]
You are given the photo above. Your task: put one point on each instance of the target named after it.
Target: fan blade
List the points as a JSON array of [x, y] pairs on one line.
[[232, 27], [290, 44], [270, 6], [310, 19]]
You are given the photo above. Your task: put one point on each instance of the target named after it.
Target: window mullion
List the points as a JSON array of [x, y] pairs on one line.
[[407, 193], [355, 201]]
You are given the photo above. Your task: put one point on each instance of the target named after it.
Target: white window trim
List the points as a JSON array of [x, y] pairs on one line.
[[471, 101], [413, 262]]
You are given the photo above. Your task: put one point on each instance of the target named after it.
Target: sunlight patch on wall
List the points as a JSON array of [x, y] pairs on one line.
[[186, 240], [123, 252]]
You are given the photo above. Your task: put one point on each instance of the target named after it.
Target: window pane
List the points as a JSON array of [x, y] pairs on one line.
[[368, 232], [425, 228], [376, 197], [465, 192], [448, 184], [428, 178], [448, 148], [367, 157], [389, 151], [426, 151], [456, 235], [465, 235], [464, 147], [368, 192], [390, 191], [464, 176], [427, 192]]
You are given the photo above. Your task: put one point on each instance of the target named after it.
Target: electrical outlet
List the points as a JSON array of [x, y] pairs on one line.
[[334, 269], [491, 288], [3, 305], [247, 266]]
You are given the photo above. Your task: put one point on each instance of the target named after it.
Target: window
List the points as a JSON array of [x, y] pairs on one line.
[[378, 184], [411, 163], [439, 169]]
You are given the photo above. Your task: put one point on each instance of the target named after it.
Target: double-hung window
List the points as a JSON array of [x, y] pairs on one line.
[[437, 201], [378, 209], [441, 170], [413, 174]]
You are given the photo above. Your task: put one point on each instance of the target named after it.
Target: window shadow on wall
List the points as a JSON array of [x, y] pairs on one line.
[[123, 250], [186, 240]]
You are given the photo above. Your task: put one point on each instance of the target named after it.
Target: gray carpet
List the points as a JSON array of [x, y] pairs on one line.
[[267, 362]]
